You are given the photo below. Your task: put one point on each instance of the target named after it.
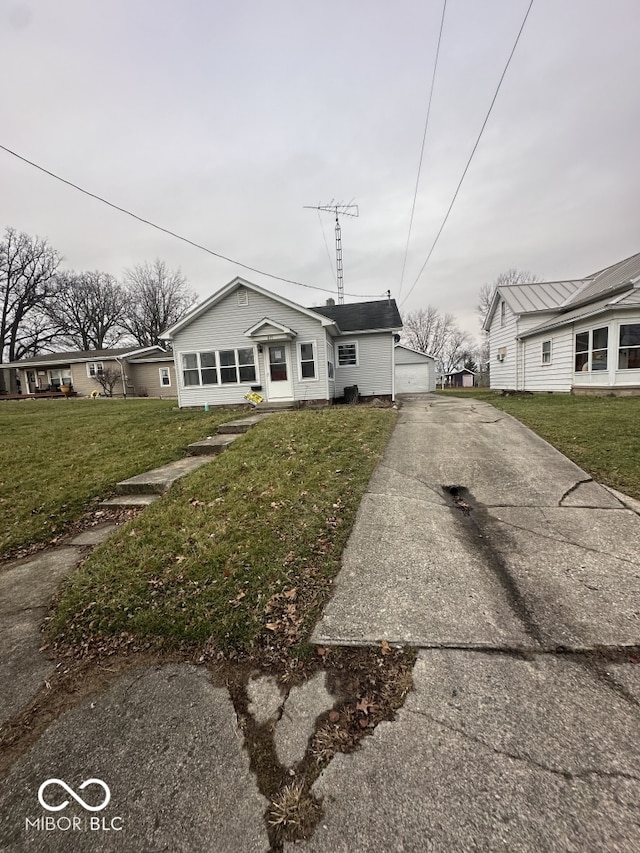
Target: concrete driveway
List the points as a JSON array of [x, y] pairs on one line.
[[518, 579]]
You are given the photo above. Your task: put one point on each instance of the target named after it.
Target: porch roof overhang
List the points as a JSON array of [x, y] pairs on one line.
[[270, 330]]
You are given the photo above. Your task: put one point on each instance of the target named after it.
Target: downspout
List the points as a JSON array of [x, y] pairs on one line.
[[393, 366], [517, 352]]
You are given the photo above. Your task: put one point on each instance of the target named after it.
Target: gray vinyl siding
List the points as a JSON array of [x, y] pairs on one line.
[[374, 373], [223, 328]]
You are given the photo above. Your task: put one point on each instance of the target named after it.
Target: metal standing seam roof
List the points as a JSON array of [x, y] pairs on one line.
[[363, 316], [538, 296], [583, 312], [609, 279]]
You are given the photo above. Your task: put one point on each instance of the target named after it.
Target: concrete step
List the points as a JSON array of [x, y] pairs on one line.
[[160, 480], [129, 501], [213, 445], [242, 425]]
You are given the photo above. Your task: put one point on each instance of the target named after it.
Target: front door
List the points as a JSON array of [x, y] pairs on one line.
[[279, 384]]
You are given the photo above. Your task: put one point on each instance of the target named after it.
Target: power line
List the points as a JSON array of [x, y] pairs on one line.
[[466, 168], [424, 139], [174, 234]]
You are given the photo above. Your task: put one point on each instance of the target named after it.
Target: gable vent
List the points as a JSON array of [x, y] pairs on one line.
[[243, 296]]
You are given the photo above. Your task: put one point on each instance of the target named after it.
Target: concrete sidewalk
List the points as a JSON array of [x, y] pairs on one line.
[[477, 543], [514, 738]]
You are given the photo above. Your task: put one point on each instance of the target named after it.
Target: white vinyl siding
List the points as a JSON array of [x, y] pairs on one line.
[[503, 335], [536, 375]]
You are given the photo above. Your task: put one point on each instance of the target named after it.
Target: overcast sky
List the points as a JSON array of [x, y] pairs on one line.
[[222, 120]]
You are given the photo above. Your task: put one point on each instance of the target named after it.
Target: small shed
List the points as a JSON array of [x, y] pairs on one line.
[[464, 378], [415, 372]]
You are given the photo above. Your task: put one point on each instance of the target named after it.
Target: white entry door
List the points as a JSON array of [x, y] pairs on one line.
[[279, 384]]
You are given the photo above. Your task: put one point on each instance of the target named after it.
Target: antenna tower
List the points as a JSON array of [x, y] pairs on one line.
[[338, 208]]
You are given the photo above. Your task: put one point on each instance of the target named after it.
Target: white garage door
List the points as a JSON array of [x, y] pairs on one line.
[[414, 379]]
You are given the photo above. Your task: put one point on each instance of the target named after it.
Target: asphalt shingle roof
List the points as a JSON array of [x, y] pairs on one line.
[[363, 316]]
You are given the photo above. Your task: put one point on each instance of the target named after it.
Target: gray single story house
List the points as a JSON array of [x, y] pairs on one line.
[[245, 339]]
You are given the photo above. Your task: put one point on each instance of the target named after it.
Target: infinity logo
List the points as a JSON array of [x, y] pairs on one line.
[[72, 793]]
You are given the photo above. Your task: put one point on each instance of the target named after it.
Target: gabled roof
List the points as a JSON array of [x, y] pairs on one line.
[[415, 352], [380, 315], [584, 311], [47, 358], [258, 330], [235, 284], [590, 295]]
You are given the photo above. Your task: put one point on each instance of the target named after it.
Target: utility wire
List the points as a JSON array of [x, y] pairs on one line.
[[466, 168], [174, 234], [424, 139]]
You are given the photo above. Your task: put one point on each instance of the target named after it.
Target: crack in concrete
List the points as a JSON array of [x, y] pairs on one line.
[[527, 759], [572, 489], [564, 540]]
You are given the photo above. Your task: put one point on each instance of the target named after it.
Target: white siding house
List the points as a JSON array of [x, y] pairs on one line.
[[415, 371], [581, 335], [246, 339]]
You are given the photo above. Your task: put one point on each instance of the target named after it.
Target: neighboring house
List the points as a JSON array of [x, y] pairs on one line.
[[580, 335], [245, 338], [415, 371], [463, 378], [146, 371]]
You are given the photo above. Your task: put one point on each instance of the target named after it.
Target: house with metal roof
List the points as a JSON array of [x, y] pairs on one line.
[[245, 340], [581, 335]]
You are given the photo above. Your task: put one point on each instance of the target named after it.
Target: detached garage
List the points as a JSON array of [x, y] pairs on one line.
[[415, 371]]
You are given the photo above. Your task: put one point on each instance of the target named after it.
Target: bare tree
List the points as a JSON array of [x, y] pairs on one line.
[[156, 299], [108, 378], [487, 291], [87, 310], [27, 270], [429, 331]]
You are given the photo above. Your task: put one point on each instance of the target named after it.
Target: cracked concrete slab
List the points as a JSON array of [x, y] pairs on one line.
[[581, 593], [417, 583], [590, 494], [303, 706], [26, 588], [165, 741], [490, 752]]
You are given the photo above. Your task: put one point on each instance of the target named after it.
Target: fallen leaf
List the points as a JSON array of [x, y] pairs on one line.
[[385, 647], [334, 716], [291, 593]]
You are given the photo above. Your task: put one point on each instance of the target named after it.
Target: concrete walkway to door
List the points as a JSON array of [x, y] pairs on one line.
[[518, 579]]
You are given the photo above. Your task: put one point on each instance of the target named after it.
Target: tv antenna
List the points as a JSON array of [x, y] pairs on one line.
[[338, 208]]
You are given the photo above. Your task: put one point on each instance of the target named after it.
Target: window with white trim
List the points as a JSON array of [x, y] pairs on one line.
[[307, 360], [503, 312], [546, 352], [629, 350], [591, 349], [348, 355], [224, 367], [94, 368], [165, 377], [330, 362]]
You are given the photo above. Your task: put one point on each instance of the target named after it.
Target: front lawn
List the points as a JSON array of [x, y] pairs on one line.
[[241, 553], [601, 434], [58, 455]]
